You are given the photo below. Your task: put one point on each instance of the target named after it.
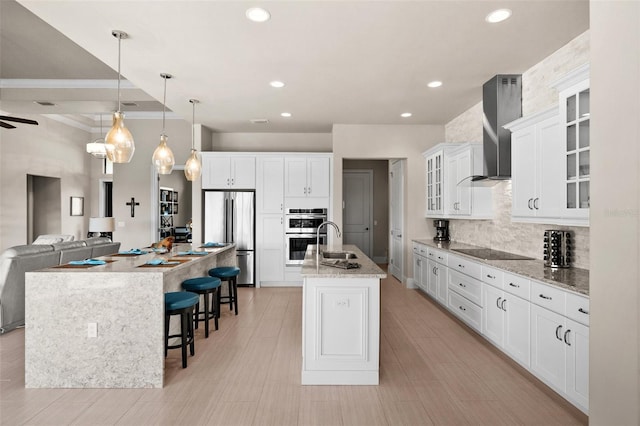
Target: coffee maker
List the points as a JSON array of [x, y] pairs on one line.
[[442, 230]]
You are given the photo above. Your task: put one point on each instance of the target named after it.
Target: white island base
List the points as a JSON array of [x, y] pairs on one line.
[[341, 323]]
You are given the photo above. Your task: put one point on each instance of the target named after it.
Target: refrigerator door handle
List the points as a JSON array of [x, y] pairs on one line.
[[242, 253], [233, 219], [226, 219]]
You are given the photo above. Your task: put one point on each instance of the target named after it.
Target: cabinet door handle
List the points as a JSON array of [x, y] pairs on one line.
[[228, 183], [514, 285], [305, 190], [435, 271], [558, 329], [529, 203], [233, 181], [565, 337], [502, 305], [462, 308], [281, 206], [535, 203], [308, 190], [491, 276], [545, 297], [462, 285], [582, 311], [498, 302]]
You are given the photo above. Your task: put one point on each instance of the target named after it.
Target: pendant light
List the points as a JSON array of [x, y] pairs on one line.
[[163, 159], [118, 141], [193, 166], [97, 148]]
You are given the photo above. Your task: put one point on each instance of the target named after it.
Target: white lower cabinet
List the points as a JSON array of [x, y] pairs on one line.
[[540, 326], [506, 323], [271, 252], [560, 354]]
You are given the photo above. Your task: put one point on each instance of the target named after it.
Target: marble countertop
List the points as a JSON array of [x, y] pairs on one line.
[[131, 263], [367, 269], [572, 279]]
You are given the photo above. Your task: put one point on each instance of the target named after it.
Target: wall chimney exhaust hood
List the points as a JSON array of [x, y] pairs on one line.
[[501, 104]]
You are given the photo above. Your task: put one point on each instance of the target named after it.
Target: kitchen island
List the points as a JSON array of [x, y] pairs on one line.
[[340, 319], [103, 326]]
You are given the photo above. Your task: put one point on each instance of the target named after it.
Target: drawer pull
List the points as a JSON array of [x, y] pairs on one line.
[[545, 297], [462, 285], [440, 257], [582, 311], [514, 285], [559, 328], [491, 276], [462, 266], [462, 308], [565, 337]]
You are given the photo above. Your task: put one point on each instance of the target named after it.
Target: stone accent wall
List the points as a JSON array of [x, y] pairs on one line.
[[500, 232]]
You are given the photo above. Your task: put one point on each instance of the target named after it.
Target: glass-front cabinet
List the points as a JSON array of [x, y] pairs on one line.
[[434, 183], [575, 116]]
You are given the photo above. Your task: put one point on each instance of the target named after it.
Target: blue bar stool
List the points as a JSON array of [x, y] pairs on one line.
[[229, 274], [180, 303], [206, 286]]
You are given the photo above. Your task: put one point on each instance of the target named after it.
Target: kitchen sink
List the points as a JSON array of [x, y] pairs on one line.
[[338, 255]]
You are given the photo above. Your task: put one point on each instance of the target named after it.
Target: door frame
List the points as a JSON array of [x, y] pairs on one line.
[[369, 173], [401, 162]]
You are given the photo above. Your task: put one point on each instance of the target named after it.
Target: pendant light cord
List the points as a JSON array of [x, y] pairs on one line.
[[119, 49], [193, 125], [164, 102]]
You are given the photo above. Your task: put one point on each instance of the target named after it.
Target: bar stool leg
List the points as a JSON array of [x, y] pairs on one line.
[[215, 300], [192, 338], [235, 294], [184, 328], [206, 315]]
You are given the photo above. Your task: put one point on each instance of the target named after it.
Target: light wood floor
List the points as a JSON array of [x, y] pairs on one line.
[[434, 370]]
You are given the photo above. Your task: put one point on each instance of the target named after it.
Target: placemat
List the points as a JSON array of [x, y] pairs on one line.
[[126, 254], [67, 266], [162, 265], [201, 254]]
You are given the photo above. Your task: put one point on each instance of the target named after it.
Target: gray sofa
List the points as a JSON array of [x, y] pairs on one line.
[[15, 261]]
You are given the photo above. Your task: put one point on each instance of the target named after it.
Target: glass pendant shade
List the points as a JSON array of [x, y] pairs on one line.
[[193, 166], [119, 142], [97, 148], [163, 159]]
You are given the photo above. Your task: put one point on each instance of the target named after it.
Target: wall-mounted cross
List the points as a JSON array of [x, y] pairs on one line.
[[133, 205]]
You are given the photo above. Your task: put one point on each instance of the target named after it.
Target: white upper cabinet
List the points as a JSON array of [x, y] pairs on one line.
[[450, 192], [307, 176], [228, 171], [537, 164], [270, 185], [575, 116]]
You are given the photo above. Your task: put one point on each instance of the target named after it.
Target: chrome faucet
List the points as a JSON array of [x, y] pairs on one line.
[[326, 222]]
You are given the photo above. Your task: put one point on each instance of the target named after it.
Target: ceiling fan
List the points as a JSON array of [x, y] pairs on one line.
[[4, 118]]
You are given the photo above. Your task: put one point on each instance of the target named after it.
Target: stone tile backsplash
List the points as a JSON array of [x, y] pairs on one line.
[[525, 239]]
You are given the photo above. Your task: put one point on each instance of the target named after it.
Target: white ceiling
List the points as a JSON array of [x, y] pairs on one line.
[[356, 62]]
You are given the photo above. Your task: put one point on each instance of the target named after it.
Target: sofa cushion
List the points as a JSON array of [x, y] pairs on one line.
[[97, 241], [16, 251], [53, 238], [67, 245]]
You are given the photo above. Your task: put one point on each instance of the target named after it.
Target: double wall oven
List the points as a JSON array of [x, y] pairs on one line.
[[301, 226]]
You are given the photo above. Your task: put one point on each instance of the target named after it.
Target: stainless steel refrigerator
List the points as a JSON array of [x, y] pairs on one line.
[[229, 217]]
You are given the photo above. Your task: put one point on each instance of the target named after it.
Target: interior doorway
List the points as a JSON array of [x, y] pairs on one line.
[[44, 209], [396, 212], [175, 213], [366, 205]]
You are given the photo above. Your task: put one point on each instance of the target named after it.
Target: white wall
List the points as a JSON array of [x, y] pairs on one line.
[[615, 213], [272, 142], [537, 95], [386, 142], [50, 149]]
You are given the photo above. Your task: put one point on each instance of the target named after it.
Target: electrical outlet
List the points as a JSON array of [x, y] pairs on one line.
[[92, 329], [120, 224]]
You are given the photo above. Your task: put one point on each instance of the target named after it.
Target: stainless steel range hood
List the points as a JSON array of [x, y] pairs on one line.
[[502, 103]]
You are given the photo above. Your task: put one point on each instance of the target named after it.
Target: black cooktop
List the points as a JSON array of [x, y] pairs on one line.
[[489, 254]]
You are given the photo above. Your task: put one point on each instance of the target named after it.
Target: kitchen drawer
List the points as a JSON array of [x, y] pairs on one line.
[[437, 256], [422, 250], [466, 286], [548, 297], [465, 266], [466, 311], [416, 248], [515, 284], [492, 276], [578, 308]]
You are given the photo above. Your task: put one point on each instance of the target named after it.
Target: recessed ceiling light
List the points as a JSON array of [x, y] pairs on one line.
[[434, 83], [258, 14], [286, 114], [259, 121], [498, 16], [277, 84], [44, 103], [406, 114]]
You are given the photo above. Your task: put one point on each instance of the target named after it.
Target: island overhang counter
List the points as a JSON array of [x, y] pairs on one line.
[[340, 320], [124, 301]]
